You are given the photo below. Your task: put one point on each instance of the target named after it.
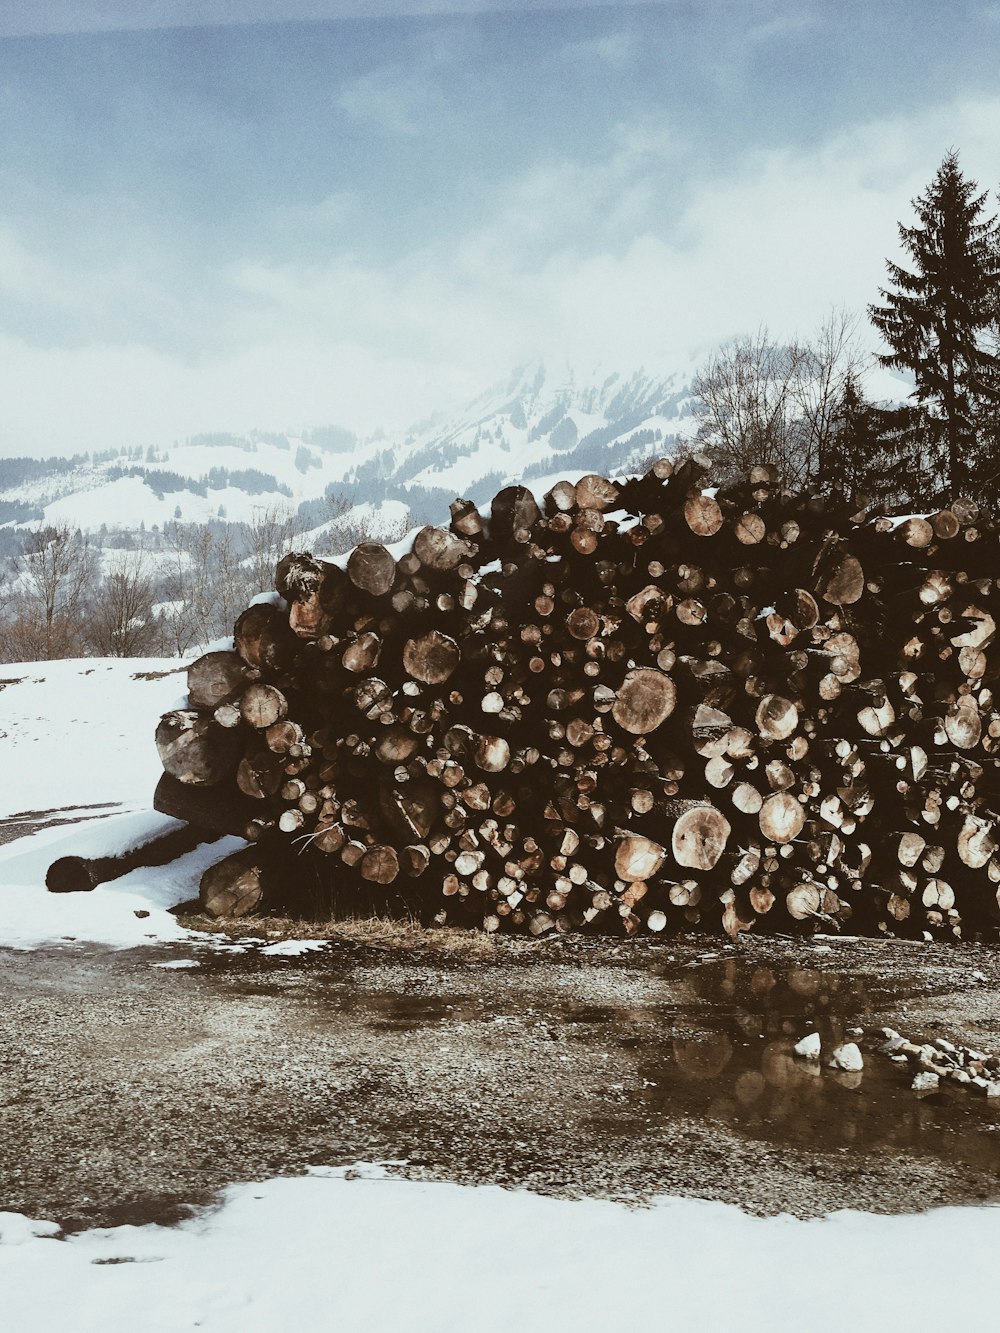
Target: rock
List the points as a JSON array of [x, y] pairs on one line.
[[892, 1043], [925, 1083], [978, 1084], [847, 1056], [890, 1034], [808, 1048], [993, 1087], [943, 1044]]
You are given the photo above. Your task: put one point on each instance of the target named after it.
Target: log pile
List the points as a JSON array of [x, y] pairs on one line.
[[635, 706]]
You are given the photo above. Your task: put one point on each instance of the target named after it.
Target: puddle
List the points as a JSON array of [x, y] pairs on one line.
[[719, 1048], [709, 1043], [740, 1070]]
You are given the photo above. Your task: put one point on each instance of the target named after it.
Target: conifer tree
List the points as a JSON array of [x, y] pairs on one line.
[[940, 323]]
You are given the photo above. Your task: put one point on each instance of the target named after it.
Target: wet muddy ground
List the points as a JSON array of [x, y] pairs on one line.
[[129, 1090]]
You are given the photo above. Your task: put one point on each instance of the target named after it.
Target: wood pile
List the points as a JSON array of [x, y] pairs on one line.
[[638, 706]]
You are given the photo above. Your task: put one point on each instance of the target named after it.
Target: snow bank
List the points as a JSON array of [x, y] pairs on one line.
[[379, 1254]]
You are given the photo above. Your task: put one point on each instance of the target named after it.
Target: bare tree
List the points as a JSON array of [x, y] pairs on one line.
[[826, 365], [122, 622], [764, 402], [48, 595]]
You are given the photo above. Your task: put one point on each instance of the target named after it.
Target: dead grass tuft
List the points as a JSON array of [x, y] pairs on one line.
[[402, 934]]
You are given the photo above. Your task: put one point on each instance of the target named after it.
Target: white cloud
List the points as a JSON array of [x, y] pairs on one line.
[[392, 99], [597, 260], [615, 49]]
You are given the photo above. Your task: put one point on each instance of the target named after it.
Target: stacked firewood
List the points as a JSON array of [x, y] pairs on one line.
[[641, 704]]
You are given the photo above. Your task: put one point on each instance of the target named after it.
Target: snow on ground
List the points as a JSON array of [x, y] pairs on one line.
[[80, 731], [123, 913], [355, 1249]]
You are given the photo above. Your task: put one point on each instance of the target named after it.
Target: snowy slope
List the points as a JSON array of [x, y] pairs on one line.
[[536, 422]]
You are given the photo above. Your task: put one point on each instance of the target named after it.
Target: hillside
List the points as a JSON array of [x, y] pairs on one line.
[[535, 425]]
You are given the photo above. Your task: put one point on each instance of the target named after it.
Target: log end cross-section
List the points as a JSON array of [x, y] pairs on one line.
[[644, 700]]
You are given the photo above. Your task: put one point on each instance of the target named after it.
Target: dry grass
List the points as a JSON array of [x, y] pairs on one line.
[[403, 935]]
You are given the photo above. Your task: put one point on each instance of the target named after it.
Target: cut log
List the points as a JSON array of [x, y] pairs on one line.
[[703, 515], [439, 549], [432, 658], [263, 639], [781, 818], [776, 718], [380, 864], [594, 492], [193, 748], [645, 699], [215, 678], [80, 874], [845, 583], [372, 569], [262, 706], [699, 837], [638, 858], [233, 887]]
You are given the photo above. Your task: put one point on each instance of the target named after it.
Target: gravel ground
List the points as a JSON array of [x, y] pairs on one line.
[[129, 1091]]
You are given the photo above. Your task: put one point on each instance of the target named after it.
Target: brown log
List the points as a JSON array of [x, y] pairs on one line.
[[227, 812], [845, 583], [372, 569], [380, 864], [583, 623], [233, 887], [776, 718], [362, 653], [638, 858], [594, 492], [257, 779], [946, 525], [703, 515], [644, 700], [439, 549], [699, 837], [466, 519], [263, 705], [215, 678], [977, 841], [781, 818], [561, 499], [804, 901], [193, 748], [492, 754], [432, 658], [263, 639], [750, 529], [81, 874], [513, 515]]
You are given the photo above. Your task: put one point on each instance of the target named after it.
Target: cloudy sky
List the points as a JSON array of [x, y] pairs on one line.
[[219, 215]]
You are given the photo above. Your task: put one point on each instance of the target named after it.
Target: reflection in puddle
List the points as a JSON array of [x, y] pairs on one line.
[[740, 1070]]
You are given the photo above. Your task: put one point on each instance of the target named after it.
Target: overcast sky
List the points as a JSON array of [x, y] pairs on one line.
[[210, 224]]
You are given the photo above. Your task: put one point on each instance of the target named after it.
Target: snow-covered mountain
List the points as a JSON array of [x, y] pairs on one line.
[[534, 428]]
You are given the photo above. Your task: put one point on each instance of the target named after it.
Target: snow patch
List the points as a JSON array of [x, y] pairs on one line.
[[312, 1253]]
